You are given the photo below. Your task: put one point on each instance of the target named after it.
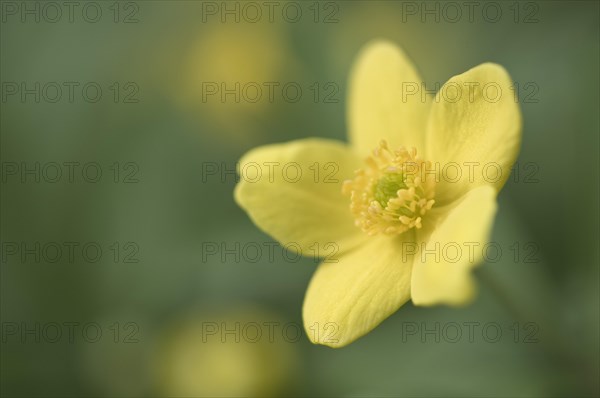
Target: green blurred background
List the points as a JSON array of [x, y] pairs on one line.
[[153, 296]]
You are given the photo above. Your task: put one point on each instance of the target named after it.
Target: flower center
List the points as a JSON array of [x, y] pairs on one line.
[[387, 187], [393, 193]]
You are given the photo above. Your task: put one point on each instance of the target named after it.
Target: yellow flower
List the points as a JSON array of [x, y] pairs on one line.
[[240, 353], [420, 191]]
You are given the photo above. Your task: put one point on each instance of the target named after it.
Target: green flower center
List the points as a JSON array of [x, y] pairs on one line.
[[387, 187]]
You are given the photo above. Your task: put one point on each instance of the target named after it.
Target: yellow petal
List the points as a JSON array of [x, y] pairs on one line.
[[347, 299], [293, 192], [441, 272], [380, 105], [474, 129]]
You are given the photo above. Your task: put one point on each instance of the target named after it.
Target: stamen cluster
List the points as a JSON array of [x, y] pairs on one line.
[[393, 193]]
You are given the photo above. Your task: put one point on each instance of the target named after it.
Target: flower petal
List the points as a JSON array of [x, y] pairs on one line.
[[441, 272], [380, 105], [347, 299], [474, 118], [293, 192]]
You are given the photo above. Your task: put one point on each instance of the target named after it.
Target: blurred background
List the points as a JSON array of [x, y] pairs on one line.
[[117, 206]]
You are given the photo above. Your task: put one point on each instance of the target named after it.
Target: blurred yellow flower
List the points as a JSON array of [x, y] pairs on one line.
[[223, 67], [404, 200], [240, 353]]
